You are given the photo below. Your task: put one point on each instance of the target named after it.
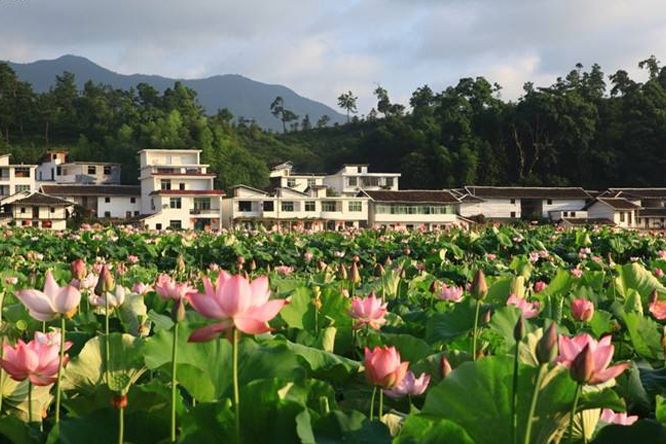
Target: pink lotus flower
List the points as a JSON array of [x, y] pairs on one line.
[[601, 354], [168, 288], [115, 298], [236, 303], [491, 256], [410, 386], [308, 256], [576, 272], [582, 309], [659, 273], [78, 269], [661, 254], [539, 286], [657, 307], [132, 259], [610, 417], [529, 309], [141, 288], [37, 360], [383, 367], [534, 256], [11, 280], [451, 294], [369, 311], [284, 270], [53, 301]]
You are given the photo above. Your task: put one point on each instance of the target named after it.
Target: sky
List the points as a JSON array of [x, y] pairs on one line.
[[323, 48]]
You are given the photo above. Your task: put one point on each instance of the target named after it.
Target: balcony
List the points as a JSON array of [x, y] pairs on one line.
[[204, 211]]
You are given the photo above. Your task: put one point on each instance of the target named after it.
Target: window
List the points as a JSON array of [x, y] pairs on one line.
[[58, 171], [136, 213], [152, 204], [389, 182], [565, 214], [175, 224], [329, 205], [312, 182], [20, 188], [307, 225], [549, 201], [92, 169], [22, 209], [513, 214], [165, 184], [107, 200], [359, 169], [621, 216], [158, 226], [573, 214], [513, 201], [287, 206], [355, 207], [45, 224], [268, 205], [353, 181], [107, 214], [201, 203], [107, 170], [291, 183], [21, 172], [310, 205], [181, 186], [175, 202], [244, 205], [52, 209], [132, 199], [128, 214]]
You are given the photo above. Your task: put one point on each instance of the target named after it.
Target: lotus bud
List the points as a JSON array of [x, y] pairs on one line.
[[434, 287], [253, 265], [445, 367], [316, 300], [479, 286], [343, 273], [487, 316], [547, 347], [119, 401], [178, 310], [105, 282], [322, 265], [180, 264], [388, 262], [380, 270], [582, 367], [78, 268], [406, 251], [354, 274], [519, 329]]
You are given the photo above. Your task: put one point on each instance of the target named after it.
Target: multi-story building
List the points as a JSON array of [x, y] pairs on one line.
[[56, 167], [102, 201], [15, 178], [283, 176], [32, 209], [315, 209], [177, 191], [352, 178]]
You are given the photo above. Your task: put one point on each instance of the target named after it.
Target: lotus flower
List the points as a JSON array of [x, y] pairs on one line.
[[168, 288], [582, 309], [451, 294], [410, 386], [657, 307], [610, 417], [141, 288], [37, 360], [528, 309], [78, 268], [383, 367], [115, 298], [369, 311], [539, 286], [599, 356], [284, 270], [576, 273], [659, 273], [236, 303], [53, 301]]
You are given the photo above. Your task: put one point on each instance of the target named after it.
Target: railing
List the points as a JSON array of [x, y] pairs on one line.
[[203, 210]]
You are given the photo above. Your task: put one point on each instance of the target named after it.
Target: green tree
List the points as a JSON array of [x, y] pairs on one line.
[[347, 101]]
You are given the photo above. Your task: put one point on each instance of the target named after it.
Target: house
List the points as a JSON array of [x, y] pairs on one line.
[[15, 178], [177, 191], [619, 210], [651, 218], [314, 209], [284, 176], [33, 209], [103, 201], [645, 197], [521, 202], [429, 209], [56, 167], [352, 178]]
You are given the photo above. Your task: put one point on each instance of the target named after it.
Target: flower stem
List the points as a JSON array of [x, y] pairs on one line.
[[474, 332], [60, 363], [107, 341], [514, 397], [533, 403], [234, 346], [381, 404], [372, 402], [573, 411], [121, 425], [174, 383], [29, 401]]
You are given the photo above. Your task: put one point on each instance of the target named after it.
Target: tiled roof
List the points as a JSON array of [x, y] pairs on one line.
[[618, 203], [92, 190], [652, 212], [189, 192], [485, 192], [417, 196], [639, 193], [43, 199], [185, 174]]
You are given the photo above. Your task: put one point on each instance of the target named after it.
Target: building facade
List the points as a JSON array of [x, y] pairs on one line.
[[15, 178]]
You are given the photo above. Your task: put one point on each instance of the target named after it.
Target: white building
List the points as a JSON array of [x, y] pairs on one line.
[[352, 178], [313, 210], [177, 191], [409, 209], [616, 210], [55, 167], [32, 209], [521, 202], [283, 176], [102, 201], [15, 178]]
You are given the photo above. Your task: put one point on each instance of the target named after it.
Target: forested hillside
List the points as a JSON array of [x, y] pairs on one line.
[[586, 129]]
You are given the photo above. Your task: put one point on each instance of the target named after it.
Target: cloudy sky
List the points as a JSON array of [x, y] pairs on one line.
[[322, 48]]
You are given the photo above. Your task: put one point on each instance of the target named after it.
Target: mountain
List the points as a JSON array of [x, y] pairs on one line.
[[242, 96]]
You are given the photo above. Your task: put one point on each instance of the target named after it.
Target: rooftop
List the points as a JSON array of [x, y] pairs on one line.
[[43, 199], [412, 196], [487, 192], [618, 203], [92, 190], [189, 192]]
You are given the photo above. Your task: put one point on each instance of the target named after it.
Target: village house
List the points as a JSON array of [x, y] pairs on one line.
[[15, 178], [102, 201], [33, 209], [55, 167]]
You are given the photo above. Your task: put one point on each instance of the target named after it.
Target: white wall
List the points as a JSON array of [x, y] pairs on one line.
[[118, 206], [492, 208], [561, 205]]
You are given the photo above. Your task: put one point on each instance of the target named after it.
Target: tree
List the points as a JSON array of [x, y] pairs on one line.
[[347, 101], [383, 102], [305, 123], [279, 111], [323, 121]]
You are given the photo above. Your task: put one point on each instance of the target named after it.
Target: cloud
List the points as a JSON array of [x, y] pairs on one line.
[[321, 49]]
